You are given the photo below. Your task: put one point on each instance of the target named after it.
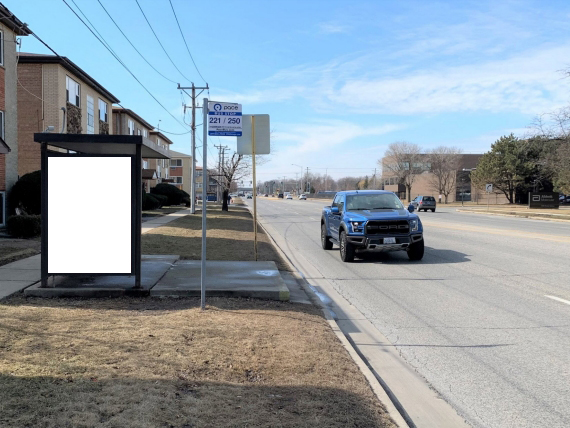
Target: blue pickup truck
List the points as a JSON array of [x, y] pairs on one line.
[[371, 221]]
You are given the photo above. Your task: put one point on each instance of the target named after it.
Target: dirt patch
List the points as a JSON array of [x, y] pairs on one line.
[[230, 237], [12, 249], [165, 363]]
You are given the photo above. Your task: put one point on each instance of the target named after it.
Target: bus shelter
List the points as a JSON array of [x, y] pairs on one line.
[[92, 203]]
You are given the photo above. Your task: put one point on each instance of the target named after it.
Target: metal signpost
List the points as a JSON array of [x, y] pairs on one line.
[[220, 119], [254, 141], [488, 190]]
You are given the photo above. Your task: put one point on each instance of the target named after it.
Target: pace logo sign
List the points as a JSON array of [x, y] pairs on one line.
[[224, 119]]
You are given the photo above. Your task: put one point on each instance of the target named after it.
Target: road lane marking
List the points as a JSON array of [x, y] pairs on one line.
[[558, 299], [504, 232]]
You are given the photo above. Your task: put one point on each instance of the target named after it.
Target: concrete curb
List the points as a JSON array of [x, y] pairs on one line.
[[393, 407], [532, 216]]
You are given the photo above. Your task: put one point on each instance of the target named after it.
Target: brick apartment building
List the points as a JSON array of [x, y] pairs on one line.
[[10, 28], [181, 170], [127, 122], [55, 92], [161, 166]]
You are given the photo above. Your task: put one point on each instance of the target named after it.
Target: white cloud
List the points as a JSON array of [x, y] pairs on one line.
[[332, 28]]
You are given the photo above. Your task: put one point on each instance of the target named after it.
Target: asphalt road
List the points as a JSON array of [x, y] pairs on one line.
[[484, 317]]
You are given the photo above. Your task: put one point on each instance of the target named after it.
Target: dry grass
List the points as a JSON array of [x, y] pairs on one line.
[[15, 249], [164, 363], [230, 237], [161, 211]]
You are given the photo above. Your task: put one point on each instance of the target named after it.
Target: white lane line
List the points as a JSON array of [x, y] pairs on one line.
[[558, 299]]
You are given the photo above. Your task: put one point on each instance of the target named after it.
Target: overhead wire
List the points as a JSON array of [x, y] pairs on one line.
[[159, 42], [184, 38], [131, 43], [120, 62]]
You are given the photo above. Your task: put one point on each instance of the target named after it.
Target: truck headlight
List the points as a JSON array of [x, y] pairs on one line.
[[356, 225], [414, 225]]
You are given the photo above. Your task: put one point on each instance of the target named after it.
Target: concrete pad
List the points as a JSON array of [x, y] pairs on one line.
[[33, 262], [224, 279], [7, 288], [153, 269]]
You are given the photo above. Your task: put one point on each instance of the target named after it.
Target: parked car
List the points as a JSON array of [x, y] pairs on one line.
[[249, 196], [280, 195], [424, 203], [302, 196], [266, 195], [289, 196]]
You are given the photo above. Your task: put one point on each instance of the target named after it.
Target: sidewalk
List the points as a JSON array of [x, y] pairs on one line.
[[561, 214], [17, 276]]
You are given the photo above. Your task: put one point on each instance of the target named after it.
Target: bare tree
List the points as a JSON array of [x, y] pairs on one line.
[[402, 159], [444, 165]]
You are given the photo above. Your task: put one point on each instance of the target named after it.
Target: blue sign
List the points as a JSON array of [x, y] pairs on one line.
[[224, 119]]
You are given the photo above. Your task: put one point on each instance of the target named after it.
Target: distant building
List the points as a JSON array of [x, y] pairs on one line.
[[463, 190], [181, 170], [10, 28], [54, 92]]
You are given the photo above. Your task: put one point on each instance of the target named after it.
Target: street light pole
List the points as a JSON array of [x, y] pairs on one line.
[[294, 164]]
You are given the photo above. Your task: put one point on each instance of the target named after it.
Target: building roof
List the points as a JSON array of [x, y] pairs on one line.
[[148, 174], [32, 58], [161, 135], [131, 113], [174, 154], [13, 23]]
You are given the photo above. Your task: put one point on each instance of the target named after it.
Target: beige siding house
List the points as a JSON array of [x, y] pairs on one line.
[[161, 166], [55, 92], [181, 170], [10, 28]]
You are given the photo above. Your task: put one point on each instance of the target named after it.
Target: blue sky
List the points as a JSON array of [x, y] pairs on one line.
[[340, 79]]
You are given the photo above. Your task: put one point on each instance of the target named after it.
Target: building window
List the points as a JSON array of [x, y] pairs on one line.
[[2, 125], [175, 163], [139, 132], [199, 173], [145, 133], [145, 164], [1, 48], [72, 91], [177, 180], [131, 127], [2, 208], [102, 110], [90, 115]]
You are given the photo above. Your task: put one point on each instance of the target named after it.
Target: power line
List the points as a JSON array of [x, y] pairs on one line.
[[128, 40], [119, 60], [159, 42], [187, 48]]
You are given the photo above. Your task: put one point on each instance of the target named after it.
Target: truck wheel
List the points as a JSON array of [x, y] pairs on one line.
[[416, 250], [325, 241], [346, 249], [433, 210]]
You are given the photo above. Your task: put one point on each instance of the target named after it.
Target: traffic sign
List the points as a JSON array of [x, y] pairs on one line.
[[262, 135], [224, 119], [489, 188]]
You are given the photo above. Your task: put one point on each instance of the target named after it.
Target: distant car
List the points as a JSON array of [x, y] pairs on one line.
[[424, 203], [289, 196], [249, 197], [266, 195], [280, 195], [303, 197]]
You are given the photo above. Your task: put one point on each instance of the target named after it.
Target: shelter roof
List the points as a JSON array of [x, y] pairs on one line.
[[98, 144]]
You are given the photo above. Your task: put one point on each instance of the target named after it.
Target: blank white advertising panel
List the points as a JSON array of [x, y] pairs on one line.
[[89, 215]]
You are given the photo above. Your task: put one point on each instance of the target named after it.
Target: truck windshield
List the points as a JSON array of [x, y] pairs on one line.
[[381, 201]]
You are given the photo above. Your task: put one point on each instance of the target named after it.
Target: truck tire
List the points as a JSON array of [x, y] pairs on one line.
[[416, 250], [325, 241], [346, 249], [433, 210]]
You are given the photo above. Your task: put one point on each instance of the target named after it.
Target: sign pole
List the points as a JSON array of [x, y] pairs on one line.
[[204, 199], [254, 187]]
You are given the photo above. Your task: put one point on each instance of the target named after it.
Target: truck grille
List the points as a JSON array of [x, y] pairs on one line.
[[389, 227]]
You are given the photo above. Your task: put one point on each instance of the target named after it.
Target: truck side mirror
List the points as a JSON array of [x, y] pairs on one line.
[[411, 208], [334, 210]]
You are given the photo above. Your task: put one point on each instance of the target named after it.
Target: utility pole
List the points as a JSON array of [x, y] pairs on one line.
[[221, 156], [374, 178], [307, 181], [193, 172]]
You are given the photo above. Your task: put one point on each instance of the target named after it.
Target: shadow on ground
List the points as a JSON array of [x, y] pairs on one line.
[[77, 401], [432, 256]]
